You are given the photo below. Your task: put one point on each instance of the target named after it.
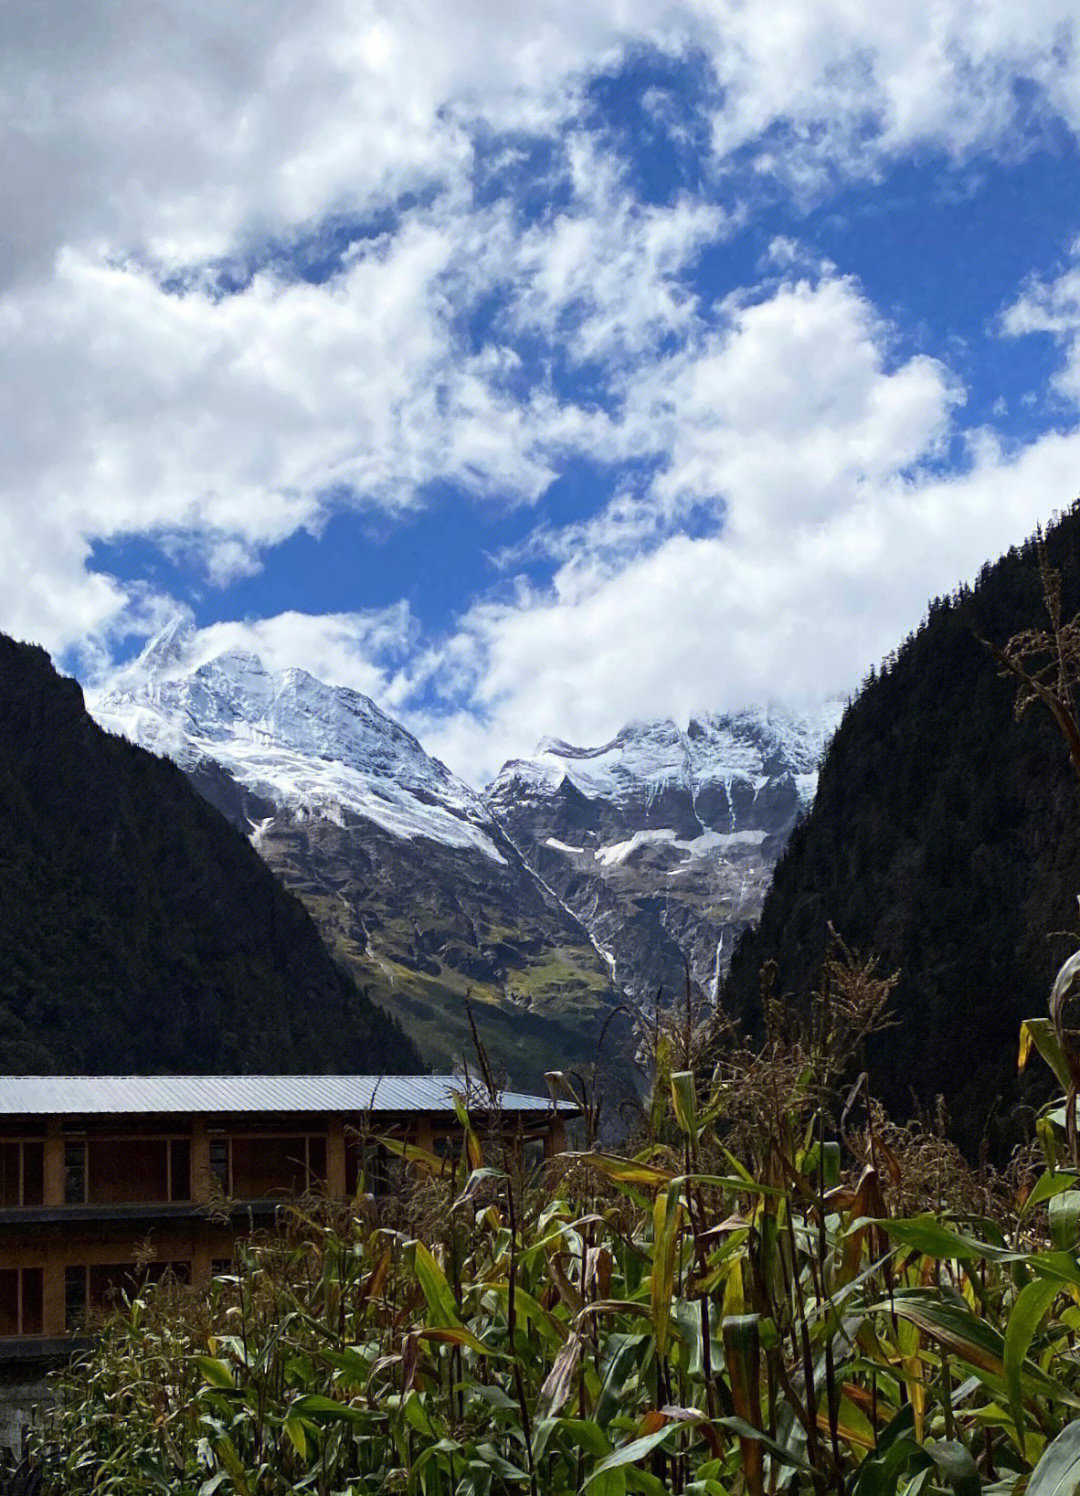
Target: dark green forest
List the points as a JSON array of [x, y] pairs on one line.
[[138, 930], [944, 839]]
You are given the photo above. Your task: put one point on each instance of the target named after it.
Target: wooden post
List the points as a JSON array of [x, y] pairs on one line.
[[202, 1256], [54, 1293], [555, 1141], [335, 1159], [200, 1159], [53, 1186]]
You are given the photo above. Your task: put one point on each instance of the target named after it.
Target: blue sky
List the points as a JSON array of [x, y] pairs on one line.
[[531, 371]]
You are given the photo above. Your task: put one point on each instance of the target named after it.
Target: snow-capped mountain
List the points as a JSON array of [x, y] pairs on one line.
[[579, 876], [410, 878], [662, 841], [306, 748]]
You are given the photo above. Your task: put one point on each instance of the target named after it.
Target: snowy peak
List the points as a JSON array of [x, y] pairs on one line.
[[305, 747], [663, 840], [703, 776], [167, 650]]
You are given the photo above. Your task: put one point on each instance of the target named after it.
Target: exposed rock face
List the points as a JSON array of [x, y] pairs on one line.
[[662, 842], [579, 877], [407, 873]]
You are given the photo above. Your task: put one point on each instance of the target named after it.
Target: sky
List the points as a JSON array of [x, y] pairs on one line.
[[533, 369]]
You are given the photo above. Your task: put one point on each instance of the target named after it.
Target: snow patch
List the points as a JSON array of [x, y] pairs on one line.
[[698, 846]]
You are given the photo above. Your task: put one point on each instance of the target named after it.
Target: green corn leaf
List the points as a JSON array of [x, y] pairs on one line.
[[586, 1435], [456, 1335], [491, 1459], [1060, 1265], [1058, 1471], [1031, 1304], [879, 1476], [412, 1153], [684, 1101], [1048, 1186], [641, 1480], [436, 1289], [926, 1234], [1064, 1212], [627, 1170], [627, 1353], [294, 1431], [227, 1455], [1039, 1033], [315, 1406], [629, 1454], [949, 1321], [216, 1373], [611, 1483], [956, 1464], [746, 1431], [742, 1353], [667, 1218]]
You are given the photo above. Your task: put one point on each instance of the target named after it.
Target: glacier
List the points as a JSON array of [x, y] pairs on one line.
[[312, 750]]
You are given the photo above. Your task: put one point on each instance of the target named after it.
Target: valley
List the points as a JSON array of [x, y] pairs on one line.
[[577, 882]]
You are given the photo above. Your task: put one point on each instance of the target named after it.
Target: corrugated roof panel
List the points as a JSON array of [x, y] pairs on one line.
[[25, 1095]]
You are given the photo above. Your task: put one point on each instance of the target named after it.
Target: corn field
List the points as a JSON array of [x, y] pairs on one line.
[[778, 1292]]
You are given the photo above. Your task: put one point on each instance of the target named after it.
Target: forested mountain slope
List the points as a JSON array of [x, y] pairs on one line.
[[945, 839], [138, 929]]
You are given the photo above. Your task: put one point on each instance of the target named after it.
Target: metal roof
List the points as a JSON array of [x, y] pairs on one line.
[[83, 1095]]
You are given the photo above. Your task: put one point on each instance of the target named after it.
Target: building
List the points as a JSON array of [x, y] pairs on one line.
[[104, 1179]]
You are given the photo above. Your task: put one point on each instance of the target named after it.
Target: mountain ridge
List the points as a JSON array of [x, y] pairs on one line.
[[710, 806], [137, 923], [943, 840], [434, 893], [411, 879]]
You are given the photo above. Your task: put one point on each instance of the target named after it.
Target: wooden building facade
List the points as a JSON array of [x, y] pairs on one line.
[[106, 1180]]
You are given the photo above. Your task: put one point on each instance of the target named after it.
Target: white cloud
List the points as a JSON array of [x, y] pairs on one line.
[[836, 534], [715, 623], [219, 425], [141, 139], [363, 650], [186, 129], [1053, 306], [791, 408], [603, 276]]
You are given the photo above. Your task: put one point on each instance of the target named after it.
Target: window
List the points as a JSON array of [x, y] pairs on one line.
[[316, 1162], [265, 1166], [179, 1169], [22, 1174], [450, 1150], [126, 1169], [109, 1282], [75, 1173], [33, 1173], [74, 1297], [260, 1166], [219, 1164], [103, 1285], [370, 1168], [220, 1267], [20, 1301], [33, 1298], [10, 1174]]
